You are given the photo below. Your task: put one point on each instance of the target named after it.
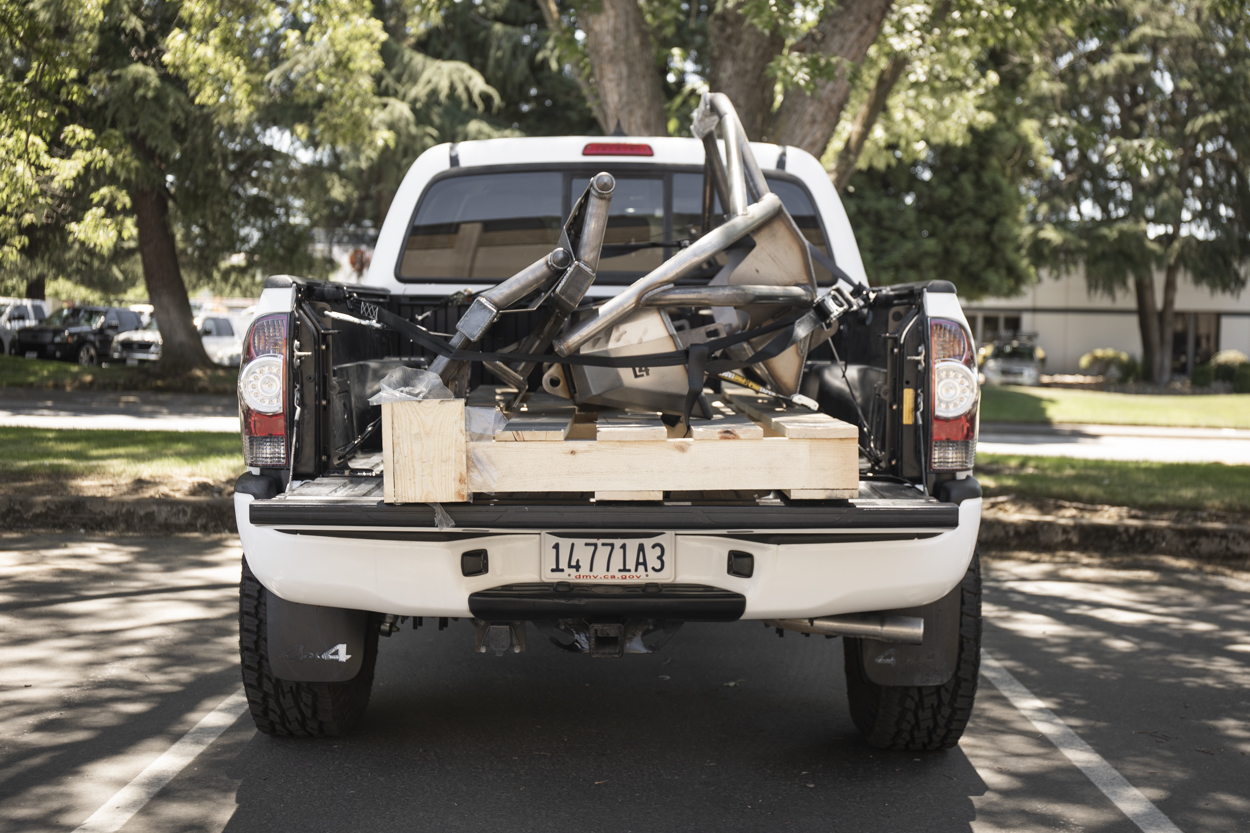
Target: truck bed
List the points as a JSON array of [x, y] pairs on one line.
[[884, 510]]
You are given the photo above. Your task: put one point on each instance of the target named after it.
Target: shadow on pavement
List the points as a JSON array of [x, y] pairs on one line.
[[748, 732]]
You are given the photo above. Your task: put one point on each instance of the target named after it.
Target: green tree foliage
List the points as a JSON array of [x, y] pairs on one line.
[[956, 215], [450, 73], [196, 141], [1150, 131]]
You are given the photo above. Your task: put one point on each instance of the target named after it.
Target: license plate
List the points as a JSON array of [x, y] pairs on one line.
[[31, 354], [132, 362], [609, 557]]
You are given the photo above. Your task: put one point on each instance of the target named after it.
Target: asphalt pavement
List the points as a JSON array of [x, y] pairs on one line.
[[114, 649]]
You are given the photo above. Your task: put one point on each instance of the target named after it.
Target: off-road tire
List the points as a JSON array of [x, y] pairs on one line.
[[921, 718], [88, 356], [287, 709]]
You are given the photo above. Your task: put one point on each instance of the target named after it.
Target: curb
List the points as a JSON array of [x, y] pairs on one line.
[[117, 514], [1227, 545]]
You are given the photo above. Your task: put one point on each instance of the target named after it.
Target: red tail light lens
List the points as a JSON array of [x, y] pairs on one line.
[[954, 396], [263, 391], [617, 149]]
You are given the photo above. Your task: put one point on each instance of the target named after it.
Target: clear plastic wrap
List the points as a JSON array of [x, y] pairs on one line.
[[405, 384], [483, 423]]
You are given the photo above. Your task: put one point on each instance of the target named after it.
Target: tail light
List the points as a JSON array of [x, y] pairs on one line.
[[954, 396], [263, 391]]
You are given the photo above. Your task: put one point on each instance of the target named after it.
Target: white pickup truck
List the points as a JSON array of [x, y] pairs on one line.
[[329, 565]]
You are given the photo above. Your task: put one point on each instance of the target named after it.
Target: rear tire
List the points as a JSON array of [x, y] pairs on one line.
[[287, 709], [921, 718]]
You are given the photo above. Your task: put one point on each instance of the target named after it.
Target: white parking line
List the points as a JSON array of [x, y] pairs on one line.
[[131, 798], [1114, 786]]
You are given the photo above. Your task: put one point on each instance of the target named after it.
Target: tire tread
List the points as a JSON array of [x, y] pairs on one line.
[[921, 718], [289, 709]]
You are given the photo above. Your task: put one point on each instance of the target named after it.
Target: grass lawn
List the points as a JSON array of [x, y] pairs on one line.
[[1017, 404], [47, 461], [17, 372], [1208, 486]]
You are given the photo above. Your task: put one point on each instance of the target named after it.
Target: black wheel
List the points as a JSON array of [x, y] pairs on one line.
[[921, 717], [279, 707], [87, 355]]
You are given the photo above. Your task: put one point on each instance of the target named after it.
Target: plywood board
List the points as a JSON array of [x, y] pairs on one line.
[[790, 421], [682, 464], [424, 451], [630, 427]]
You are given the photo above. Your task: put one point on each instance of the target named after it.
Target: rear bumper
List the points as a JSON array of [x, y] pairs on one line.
[[810, 560]]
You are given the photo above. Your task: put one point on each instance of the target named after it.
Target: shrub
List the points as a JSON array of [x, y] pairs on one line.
[[1241, 379], [1203, 376], [1226, 363], [1112, 363]]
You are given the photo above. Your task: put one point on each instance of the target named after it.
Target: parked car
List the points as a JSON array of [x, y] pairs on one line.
[[83, 333], [135, 346], [1013, 361], [221, 342], [332, 561], [18, 314]]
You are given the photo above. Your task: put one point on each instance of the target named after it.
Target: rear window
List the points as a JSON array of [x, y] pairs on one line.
[[489, 226]]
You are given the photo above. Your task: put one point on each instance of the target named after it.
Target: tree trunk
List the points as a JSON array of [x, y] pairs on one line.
[[181, 348], [1167, 319], [551, 16], [845, 32], [1147, 322], [740, 54], [867, 116], [623, 64]]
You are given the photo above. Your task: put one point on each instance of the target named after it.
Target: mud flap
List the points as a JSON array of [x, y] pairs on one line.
[[930, 663], [314, 644]]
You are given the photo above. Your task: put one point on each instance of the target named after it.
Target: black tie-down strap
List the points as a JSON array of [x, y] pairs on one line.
[[697, 357]]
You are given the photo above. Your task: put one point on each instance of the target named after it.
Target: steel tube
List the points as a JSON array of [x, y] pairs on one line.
[[730, 296], [713, 163], [724, 108], [529, 279], [734, 169], [883, 627], [595, 224], [672, 270]]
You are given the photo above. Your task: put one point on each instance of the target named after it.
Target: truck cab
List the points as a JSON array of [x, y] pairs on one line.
[[331, 565]]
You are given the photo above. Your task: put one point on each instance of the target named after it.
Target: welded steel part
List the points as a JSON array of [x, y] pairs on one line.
[[668, 273], [561, 275], [730, 296], [883, 627]]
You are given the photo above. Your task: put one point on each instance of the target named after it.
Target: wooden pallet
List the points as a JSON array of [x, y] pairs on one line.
[[751, 443]]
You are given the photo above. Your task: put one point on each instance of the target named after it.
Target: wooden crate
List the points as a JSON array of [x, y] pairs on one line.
[[751, 443]]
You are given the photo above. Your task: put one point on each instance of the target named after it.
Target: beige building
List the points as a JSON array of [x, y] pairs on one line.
[[1070, 321]]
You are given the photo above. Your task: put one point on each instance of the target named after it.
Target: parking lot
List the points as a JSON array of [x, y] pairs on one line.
[[113, 648]]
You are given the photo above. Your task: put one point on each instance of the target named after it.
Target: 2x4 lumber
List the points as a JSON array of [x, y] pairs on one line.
[[669, 465], [822, 494], [625, 426], [530, 428], [791, 421], [725, 424], [647, 494], [424, 451]]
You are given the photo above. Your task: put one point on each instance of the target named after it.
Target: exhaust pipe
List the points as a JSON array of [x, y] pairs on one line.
[[883, 627]]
